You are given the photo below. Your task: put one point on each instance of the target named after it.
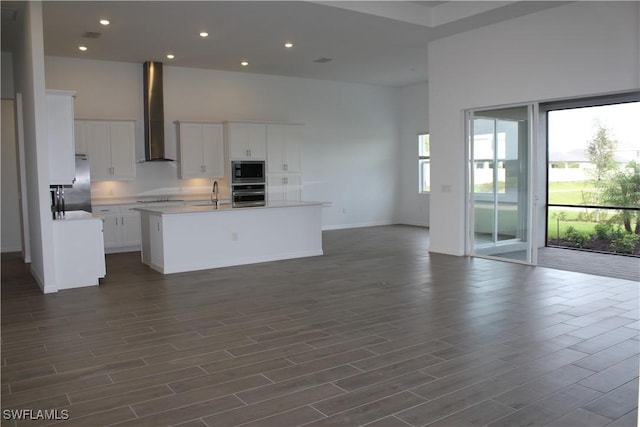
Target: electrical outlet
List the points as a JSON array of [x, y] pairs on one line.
[[344, 210], [234, 236]]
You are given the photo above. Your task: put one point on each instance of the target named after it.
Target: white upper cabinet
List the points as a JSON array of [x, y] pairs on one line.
[[283, 148], [201, 150], [110, 145], [246, 141], [60, 134]]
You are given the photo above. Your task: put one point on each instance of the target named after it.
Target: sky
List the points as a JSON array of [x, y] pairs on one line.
[[571, 130]]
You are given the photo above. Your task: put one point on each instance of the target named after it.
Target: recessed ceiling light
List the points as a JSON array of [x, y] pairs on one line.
[[82, 48], [288, 45], [105, 22], [244, 63], [204, 34], [170, 56]]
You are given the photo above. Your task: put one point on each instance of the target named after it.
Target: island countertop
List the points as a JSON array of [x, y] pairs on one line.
[[208, 207]]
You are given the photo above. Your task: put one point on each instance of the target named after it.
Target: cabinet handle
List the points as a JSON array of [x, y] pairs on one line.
[[285, 167], [122, 221], [158, 226]]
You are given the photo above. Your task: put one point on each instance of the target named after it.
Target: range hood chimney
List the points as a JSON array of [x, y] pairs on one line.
[[153, 112]]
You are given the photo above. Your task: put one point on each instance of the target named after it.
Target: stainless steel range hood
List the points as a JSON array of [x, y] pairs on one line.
[[153, 112]]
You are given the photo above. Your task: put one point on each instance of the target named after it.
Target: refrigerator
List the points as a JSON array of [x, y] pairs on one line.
[[78, 196]]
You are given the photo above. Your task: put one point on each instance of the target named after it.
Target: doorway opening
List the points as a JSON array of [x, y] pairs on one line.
[[500, 170], [593, 174]]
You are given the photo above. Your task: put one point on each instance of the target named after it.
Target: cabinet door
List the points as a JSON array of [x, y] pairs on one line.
[[110, 224], [62, 166], [156, 241], [293, 188], [111, 231], [275, 188], [130, 230], [80, 137], [191, 164], [291, 148], [283, 148], [99, 150], [213, 150], [257, 141], [122, 138], [238, 135], [247, 141], [275, 149]]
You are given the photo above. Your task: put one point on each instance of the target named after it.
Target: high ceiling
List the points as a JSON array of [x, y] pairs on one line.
[[374, 42]]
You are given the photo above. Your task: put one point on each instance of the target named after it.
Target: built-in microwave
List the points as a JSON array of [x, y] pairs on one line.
[[247, 171]]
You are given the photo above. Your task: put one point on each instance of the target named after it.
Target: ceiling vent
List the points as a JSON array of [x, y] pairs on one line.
[[322, 60], [92, 35]]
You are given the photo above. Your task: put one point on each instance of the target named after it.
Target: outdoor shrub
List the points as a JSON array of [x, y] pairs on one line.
[[626, 244], [576, 237], [609, 232]]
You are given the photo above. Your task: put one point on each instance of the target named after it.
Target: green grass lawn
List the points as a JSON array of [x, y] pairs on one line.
[[571, 193]]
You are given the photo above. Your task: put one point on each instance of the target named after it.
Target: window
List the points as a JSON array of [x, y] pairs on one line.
[[424, 163]]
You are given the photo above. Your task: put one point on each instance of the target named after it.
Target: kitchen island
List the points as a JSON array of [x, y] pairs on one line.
[[187, 238]]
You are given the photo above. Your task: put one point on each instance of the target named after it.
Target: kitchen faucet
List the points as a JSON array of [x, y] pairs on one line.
[[214, 194]]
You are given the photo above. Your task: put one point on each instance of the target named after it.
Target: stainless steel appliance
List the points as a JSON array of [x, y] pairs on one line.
[[247, 171], [76, 197], [247, 195]]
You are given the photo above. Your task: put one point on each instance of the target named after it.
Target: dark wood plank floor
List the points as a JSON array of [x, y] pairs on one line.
[[377, 332]]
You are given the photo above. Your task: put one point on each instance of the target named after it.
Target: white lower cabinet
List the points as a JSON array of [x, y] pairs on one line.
[[79, 253], [284, 188], [121, 227]]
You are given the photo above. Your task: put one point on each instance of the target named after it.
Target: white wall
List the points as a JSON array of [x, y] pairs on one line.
[[29, 81], [9, 207], [413, 208], [583, 48], [350, 136]]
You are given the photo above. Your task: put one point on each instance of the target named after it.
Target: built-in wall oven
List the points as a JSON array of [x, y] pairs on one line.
[[248, 183], [247, 195]]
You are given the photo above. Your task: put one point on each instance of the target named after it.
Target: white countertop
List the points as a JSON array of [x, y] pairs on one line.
[[221, 208], [132, 200], [75, 216]]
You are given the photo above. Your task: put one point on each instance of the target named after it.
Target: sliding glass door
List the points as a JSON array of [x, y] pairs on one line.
[[500, 190]]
